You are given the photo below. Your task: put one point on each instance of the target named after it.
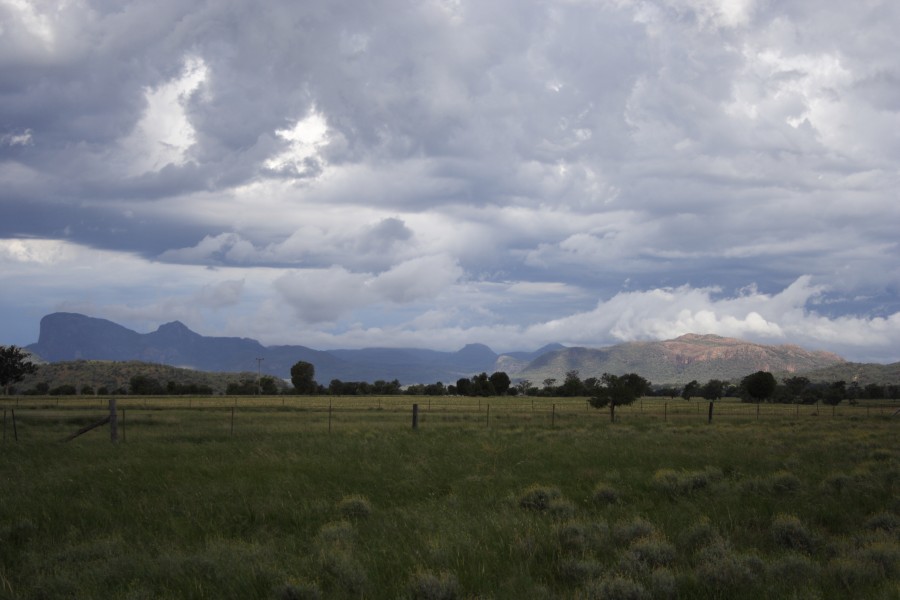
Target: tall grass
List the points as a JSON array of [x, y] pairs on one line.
[[514, 508]]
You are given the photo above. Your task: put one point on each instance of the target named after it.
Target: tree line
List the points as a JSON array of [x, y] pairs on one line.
[[757, 387]]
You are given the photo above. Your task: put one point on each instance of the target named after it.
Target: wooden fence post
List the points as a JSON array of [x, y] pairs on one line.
[[488, 423], [665, 412], [232, 420], [553, 417], [123, 425], [15, 430], [329, 416], [415, 416], [4, 424], [709, 419], [113, 422]]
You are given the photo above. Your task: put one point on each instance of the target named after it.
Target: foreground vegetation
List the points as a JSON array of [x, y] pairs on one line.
[[295, 500]]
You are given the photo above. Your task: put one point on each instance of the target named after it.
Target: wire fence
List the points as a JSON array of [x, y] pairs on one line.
[[42, 419]]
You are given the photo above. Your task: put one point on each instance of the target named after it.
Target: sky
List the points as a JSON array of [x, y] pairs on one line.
[[433, 173]]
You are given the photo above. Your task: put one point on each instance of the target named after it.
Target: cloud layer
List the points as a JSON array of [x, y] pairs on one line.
[[436, 173]]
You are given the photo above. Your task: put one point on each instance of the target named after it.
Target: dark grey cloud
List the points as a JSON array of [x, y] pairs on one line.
[[530, 162]]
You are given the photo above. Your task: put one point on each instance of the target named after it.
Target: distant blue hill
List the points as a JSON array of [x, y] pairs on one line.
[[72, 336]]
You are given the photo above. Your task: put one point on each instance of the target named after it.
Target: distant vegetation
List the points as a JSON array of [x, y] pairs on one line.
[[92, 377]]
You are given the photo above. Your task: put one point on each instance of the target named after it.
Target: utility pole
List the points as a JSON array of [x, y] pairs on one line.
[[259, 376]]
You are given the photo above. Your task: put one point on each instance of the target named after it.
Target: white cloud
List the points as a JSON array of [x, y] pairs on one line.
[[164, 134], [23, 138]]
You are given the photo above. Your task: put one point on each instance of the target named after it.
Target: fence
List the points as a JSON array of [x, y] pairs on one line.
[[168, 417]]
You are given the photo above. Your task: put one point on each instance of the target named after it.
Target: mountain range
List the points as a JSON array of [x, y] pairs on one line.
[[72, 336]]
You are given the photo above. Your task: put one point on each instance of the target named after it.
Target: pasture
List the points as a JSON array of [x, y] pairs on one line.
[[324, 497]]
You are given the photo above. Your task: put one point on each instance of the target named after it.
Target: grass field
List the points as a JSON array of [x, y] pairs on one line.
[[497, 499]]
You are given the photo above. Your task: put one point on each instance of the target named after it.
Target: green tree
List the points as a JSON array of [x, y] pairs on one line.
[[14, 366], [501, 382], [548, 389], [303, 377], [619, 390], [482, 386], [572, 385], [834, 393], [795, 387], [759, 386], [690, 389], [873, 391], [144, 385], [523, 386], [712, 389]]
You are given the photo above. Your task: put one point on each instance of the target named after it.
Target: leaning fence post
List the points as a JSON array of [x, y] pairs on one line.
[[415, 416], [113, 422]]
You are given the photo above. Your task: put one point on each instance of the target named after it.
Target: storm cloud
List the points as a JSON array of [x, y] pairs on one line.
[[342, 174]]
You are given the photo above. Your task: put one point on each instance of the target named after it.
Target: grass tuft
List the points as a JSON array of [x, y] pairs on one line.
[[784, 482], [617, 587], [538, 497], [578, 537], [883, 521], [647, 553], [355, 506], [790, 533], [625, 532], [680, 483], [299, 591], [724, 570], [604, 494], [793, 570], [425, 585]]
